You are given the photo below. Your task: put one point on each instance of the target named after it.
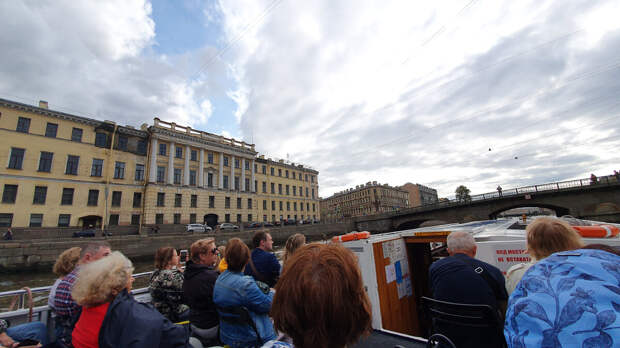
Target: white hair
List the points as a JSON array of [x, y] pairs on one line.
[[461, 241]]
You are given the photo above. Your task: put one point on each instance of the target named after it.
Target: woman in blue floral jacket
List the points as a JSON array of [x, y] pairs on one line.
[[570, 299]]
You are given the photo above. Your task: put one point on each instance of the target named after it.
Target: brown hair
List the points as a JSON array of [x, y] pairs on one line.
[[200, 246], [320, 299], [293, 243], [258, 236], [547, 235], [237, 254], [163, 256], [65, 263]]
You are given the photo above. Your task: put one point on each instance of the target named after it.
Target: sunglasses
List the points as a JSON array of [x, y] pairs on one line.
[[215, 251]]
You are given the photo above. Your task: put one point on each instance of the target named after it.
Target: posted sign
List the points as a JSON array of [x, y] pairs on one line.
[[503, 254]]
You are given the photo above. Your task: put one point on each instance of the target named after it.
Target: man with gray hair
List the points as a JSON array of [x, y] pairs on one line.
[[460, 278]]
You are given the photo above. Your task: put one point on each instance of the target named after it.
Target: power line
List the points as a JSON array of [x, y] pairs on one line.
[[229, 45]]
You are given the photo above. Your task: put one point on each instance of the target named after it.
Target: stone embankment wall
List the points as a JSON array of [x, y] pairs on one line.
[[22, 254]]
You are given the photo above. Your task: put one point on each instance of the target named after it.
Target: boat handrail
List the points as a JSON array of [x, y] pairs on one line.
[[21, 302]]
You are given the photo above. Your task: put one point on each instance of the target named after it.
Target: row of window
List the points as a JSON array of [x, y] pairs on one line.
[[64, 220], [286, 173], [101, 139], [287, 190], [9, 195], [16, 161]]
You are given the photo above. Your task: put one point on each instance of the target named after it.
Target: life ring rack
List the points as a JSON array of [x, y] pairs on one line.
[[597, 231]]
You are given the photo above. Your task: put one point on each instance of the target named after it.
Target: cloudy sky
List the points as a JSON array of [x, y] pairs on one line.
[[442, 93]]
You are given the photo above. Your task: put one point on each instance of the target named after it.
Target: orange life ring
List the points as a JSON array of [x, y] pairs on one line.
[[599, 231], [336, 239], [347, 237], [362, 235]]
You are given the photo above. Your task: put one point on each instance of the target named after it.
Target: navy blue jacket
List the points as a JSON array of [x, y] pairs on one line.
[[132, 324], [198, 292], [266, 264]]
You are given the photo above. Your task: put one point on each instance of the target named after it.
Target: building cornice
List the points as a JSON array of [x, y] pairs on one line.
[[48, 112], [168, 135]]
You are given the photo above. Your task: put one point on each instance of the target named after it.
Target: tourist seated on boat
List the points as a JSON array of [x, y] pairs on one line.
[[569, 299], [65, 264], [200, 276], [292, 244], [460, 278], [234, 290], [10, 336], [66, 309], [544, 236], [166, 285], [263, 265], [111, 317], [320, 299], [221, 265]]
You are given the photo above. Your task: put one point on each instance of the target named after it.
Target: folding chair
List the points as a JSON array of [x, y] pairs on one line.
[[474, 318]]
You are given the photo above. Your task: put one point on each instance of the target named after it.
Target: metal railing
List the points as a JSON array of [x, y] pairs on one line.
[[548, 187], [22, 294]]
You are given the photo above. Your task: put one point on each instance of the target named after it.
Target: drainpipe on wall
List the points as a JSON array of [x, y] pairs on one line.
[[107, 178], [147, 173]]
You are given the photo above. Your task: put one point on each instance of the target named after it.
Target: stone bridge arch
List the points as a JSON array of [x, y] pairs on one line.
[[559, 211]]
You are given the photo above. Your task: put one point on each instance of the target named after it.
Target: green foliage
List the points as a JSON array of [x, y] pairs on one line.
[[462, 194]]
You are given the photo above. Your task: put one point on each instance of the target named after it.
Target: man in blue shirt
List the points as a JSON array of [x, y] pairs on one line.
[[263, 265], [460, 278]]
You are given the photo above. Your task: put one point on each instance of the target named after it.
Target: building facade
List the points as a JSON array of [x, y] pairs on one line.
[[369, 199], [64, 170], [420, 194]]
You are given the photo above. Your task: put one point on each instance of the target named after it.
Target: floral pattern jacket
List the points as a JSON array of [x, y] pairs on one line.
[[166, 289], [569, 299]]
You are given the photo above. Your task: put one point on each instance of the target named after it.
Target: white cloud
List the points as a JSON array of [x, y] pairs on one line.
[[413, 91], [96, 58]]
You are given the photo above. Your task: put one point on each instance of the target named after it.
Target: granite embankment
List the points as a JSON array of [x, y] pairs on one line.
[[31, 254]]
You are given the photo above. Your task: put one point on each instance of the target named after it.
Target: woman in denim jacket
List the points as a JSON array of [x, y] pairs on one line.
[[234, 290]]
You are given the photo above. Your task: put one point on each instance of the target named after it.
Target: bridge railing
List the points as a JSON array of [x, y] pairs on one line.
[[548, 187]]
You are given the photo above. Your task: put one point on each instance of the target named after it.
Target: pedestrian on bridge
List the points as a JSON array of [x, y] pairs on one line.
[[499, 190]]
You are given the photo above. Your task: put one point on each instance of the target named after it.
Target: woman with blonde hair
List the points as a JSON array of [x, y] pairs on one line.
[[65, 263], [111, 317], [293, 243], [544, 236], [166, 285]]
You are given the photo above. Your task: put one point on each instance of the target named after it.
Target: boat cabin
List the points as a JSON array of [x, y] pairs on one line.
[[395, 265]]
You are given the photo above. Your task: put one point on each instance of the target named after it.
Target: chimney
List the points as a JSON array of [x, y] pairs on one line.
[[43, 104]]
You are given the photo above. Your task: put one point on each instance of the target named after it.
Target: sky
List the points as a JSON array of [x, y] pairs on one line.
[[443, 93]]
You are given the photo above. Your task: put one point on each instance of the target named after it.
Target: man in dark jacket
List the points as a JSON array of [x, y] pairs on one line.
[[460, 278], [263, 265], [200, 276], [132, 324]]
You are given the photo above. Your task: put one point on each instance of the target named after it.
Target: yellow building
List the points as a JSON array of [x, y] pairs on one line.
[[372, 198], [66, 170]]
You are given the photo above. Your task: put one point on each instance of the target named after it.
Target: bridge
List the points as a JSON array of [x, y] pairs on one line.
[[597, 199]]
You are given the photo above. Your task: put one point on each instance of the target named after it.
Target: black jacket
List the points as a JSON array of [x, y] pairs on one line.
[[198, 292], [132, 324]]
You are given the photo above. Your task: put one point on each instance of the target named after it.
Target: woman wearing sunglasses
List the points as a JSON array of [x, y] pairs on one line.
[[200, 276]]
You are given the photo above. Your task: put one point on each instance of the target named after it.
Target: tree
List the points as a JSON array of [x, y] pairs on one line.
[[462, 194]]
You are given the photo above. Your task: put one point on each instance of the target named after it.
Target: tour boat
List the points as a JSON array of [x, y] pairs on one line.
[[394, 268]]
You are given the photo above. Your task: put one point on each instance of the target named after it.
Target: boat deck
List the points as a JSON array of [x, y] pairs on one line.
[[381, 338]]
